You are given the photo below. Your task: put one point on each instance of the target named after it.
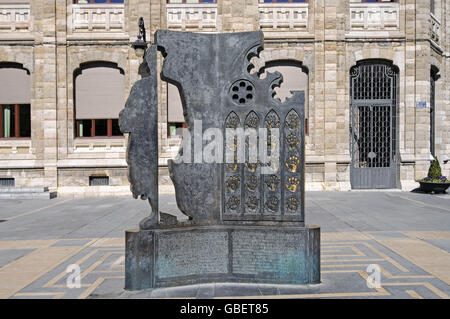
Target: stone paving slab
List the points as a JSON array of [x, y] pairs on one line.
[[406, 234], [9, 255]]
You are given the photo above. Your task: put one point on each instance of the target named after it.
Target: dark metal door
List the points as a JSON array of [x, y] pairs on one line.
[[373, 126]]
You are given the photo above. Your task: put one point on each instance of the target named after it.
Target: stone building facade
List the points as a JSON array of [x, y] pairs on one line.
[[333, 42]]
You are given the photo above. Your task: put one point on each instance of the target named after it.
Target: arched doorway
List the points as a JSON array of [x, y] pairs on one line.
[[374, 111]]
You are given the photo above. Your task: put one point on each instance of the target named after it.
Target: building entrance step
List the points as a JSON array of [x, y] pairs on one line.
[[26, 193]]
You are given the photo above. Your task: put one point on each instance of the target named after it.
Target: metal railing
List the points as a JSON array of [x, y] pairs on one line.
[[198, 16], [275, 16], [15, 17], [98, 17]]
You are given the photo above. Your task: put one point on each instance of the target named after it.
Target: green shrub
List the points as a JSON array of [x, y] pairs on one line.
[[435, 173], [435, 169]]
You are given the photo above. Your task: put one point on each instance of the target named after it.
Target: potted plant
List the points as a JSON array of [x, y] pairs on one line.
[[434, 182]]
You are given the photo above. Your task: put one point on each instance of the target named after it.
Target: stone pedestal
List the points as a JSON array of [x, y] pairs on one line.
[[204, 254]]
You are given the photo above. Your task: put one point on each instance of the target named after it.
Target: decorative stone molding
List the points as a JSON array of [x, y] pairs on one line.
[[374, 16], [15, 146], [303, 56], [14, 17], [191, 16], [435, 29], [99, 145], [98, 17], [21, 55], [80, 56], [390, 54], [283, 16]]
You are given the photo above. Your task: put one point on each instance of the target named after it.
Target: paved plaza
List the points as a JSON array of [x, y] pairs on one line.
[[406, 234]]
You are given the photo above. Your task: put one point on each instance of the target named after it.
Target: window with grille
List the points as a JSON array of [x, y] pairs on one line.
[[7, 182], [98, 180]]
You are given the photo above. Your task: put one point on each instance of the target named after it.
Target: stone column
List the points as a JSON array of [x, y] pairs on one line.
[[46, 79], [445, 78], [422, 90], [63, 125], [342, 103], [331, 36], [319, 79], [409, 94], [237, 15]]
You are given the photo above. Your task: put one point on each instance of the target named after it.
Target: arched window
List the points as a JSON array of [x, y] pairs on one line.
[[15, 96], [99, 97], [295, 78]]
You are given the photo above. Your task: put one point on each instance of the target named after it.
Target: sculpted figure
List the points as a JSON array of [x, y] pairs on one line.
[[140, 119]]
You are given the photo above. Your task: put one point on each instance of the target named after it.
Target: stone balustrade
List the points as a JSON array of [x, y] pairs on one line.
[[191, 16], [374, 16], [98, 17], [435, 29], [281, 16], [15, 17]]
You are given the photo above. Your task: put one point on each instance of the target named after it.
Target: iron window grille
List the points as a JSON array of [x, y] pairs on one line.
[[98, 180], [7, 182]]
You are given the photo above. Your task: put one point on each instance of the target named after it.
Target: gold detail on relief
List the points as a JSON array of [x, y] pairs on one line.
[[272, 204], [272, 121], [252, 183], [252, 122], [233, 182], [292, 141], [233, 167], [233, 203], [292, 204], [292, 121], [233, 121], [293, 163], [292, 184], [251, 166], [273, 182], [252, 203]]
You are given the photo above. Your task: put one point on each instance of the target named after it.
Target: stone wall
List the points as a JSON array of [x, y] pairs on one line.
[[326, 41]]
